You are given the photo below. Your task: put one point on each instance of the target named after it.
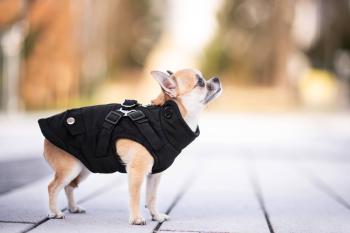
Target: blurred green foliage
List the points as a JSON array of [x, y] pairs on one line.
[[241, 49], [134, 31]]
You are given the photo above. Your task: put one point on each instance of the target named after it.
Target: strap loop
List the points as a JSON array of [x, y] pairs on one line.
[[111, 120], [137, 115], [113, 117]]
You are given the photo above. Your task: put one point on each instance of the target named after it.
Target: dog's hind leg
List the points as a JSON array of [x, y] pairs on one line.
[[60, 180], [53, 190], [66, 168], [69, 190]]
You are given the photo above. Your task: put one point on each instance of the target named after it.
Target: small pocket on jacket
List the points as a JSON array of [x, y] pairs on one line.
[[74, 122]]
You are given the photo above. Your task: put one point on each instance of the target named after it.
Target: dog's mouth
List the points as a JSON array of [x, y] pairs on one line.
[[211, 95], [213, 89]]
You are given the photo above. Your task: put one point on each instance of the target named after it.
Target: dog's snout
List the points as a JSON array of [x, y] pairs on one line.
[[216, 80]]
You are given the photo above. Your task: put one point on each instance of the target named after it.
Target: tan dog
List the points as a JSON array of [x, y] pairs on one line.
[[190, 91]]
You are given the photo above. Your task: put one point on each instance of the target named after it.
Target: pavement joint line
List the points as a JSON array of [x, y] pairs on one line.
[[258, 192], [35, 225], [103, 189], [184, 188], [21, 222], [325, 188]]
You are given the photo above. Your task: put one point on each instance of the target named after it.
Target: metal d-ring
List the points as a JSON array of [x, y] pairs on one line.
[[126, 112]]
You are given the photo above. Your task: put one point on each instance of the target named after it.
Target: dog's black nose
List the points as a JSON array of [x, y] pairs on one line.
[[216, 80]]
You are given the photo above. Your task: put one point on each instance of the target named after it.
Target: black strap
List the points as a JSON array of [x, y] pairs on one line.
[[141, 122], [146, 129], [111, 120]]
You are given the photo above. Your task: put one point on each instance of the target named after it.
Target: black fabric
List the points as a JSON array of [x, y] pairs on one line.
[[111, 120], [92, 133]]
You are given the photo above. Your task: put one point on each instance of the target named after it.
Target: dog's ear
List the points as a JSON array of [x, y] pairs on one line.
[[165, 81]]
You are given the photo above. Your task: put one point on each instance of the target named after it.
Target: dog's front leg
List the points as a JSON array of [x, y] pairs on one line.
[[139, 163], [151, 197], [135, 179]]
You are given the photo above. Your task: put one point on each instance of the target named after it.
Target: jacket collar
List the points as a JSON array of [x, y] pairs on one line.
[[175, 128]]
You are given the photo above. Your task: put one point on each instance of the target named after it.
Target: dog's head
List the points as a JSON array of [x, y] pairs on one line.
[[188, 88]]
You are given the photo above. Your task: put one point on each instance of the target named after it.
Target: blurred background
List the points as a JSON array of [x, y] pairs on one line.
[[284, 64], [271, 55]]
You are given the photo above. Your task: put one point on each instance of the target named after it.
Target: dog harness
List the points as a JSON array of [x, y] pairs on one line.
[[90, 133]]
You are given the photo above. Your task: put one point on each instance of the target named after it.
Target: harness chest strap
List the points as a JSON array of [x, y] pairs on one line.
[[140, 121]]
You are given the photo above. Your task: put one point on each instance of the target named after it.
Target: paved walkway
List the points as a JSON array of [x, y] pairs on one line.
[[246, 173]]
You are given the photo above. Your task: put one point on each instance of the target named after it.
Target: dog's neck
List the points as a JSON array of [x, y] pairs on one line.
[[192, 121], [189, 109], [192, 110]]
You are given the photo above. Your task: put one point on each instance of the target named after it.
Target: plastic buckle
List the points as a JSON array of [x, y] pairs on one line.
[[113, 117], [136, 115]]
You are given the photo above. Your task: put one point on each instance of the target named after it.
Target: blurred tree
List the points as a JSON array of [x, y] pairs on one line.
[[70, 46], [334, 33], [12, 32], [50, 66], [9, 13], [115, 37], [252, 42]]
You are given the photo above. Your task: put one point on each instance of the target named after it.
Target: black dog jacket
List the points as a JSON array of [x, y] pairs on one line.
[[89, 133]]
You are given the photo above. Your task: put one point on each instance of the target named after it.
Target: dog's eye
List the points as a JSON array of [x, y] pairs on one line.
[[200, 82]]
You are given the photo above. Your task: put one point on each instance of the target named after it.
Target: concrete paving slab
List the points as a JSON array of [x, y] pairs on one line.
[[294, 204], [16, 173], [20, 130], [177, 176], [220, 200], [30, 203], [174, 231], [25, 204], [12, 227], [330, 178], [108, 212]]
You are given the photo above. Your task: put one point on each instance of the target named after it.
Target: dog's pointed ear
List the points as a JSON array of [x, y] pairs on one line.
[[165, 81]]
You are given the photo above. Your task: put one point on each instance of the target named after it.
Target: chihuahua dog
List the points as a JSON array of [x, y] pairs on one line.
[[191, 93]]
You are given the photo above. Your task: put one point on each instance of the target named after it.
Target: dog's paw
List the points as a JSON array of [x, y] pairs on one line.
[[139, 220], [160, 217], [77, 210], [58, 215]]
